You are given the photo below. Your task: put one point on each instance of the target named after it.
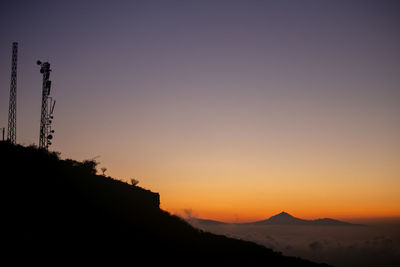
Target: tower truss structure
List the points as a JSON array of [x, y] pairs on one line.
[[12, 109]]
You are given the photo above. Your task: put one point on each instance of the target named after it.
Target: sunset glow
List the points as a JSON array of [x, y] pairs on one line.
[[231, 112]]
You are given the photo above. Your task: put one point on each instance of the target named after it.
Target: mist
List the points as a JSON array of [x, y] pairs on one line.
[[358, 245]]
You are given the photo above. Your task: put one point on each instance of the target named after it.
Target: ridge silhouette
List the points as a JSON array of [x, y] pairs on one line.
[[282, 218], [62, 210], [285, 218]]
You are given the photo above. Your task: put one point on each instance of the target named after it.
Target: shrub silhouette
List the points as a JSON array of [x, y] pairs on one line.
[[61, 209], [134, 182]]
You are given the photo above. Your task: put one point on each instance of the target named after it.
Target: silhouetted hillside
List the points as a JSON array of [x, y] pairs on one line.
[[60, 210]]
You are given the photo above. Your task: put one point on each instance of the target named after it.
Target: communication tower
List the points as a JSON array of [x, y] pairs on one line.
[[46, 116], [12, 109]]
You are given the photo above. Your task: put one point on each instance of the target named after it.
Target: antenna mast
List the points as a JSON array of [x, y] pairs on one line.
[[47, 110], [12, 110]]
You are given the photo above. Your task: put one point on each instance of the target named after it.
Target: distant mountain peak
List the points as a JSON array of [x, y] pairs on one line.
[[282, 218], [285, 218], [283, 213]]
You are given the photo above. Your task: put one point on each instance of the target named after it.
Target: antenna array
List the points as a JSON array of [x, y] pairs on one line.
[[48, 103], [46, 117]]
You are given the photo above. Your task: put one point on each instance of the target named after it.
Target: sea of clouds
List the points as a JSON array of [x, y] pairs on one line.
[[342, 246]]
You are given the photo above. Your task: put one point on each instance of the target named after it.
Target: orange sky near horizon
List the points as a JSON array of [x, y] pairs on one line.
[[246, 185], [337, 161]]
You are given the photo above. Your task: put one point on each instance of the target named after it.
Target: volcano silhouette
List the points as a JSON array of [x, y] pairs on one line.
[[283, 218]]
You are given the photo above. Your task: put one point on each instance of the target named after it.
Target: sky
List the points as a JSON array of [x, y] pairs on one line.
[[234, 110]]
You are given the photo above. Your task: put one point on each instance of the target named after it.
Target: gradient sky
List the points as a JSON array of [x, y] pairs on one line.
[[235, 110]]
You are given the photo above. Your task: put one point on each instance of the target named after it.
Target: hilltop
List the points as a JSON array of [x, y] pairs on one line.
[[61, 209]]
